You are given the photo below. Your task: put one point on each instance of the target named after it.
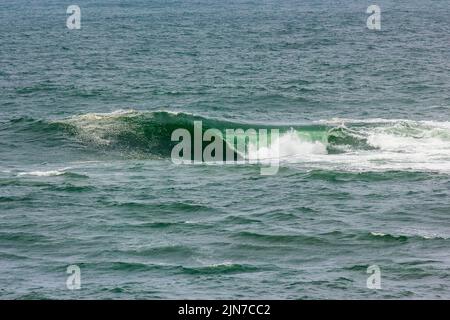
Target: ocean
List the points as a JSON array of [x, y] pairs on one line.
[[87, 178]]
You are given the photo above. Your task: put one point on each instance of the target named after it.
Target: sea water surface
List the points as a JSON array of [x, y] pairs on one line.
[[86, 177]]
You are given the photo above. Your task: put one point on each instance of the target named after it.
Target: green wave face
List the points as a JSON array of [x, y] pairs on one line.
[[150, 132]]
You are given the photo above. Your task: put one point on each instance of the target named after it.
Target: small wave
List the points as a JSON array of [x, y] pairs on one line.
[[386, 235], [382, 121], [224, 268], [369, 176], [280, 238], [177, 251], [25, 237], [221, 268], [71, 188], [405, 237], [50, 173]]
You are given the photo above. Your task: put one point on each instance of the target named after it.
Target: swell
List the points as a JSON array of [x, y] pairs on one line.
[[212, 269]]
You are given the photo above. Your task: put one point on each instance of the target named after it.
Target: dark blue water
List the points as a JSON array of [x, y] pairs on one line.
[[85, 171]]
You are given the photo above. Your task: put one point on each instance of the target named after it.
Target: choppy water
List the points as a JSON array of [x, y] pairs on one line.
[[85, 171]]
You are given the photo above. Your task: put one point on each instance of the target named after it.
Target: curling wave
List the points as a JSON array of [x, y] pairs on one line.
[[337, 144]]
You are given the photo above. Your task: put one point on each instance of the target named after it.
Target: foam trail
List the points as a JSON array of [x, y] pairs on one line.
[[50, 173]]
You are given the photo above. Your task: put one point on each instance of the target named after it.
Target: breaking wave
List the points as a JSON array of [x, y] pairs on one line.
[[341, 144]]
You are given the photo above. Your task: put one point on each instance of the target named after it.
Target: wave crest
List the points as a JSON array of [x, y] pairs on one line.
[[337, 144]]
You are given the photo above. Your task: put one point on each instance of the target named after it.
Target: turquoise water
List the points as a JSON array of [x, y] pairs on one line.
[[86, 176]]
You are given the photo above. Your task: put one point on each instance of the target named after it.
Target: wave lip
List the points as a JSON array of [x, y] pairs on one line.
[[49, 173]]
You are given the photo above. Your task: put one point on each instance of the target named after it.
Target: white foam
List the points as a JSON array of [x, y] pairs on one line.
[[50, 173], [47, 173], [398, 144], [378, 234], [95, 116], [419, 234], [362, 121], [288, 147]]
